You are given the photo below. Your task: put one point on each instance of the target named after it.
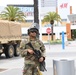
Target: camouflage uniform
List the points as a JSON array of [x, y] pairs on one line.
[[31, 63]]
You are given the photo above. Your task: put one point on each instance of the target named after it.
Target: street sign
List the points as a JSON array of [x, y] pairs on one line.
[[48, 30]]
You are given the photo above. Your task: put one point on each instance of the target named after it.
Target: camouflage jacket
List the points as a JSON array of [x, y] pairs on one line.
[[37, 44]]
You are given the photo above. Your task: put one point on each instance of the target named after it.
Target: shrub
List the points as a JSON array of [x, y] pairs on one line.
[[57, 41]]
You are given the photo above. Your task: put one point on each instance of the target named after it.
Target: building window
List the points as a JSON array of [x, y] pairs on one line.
[[64, 20], [29, 20]]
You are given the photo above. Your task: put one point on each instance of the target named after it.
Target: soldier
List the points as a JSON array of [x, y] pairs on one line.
[[31, 63]]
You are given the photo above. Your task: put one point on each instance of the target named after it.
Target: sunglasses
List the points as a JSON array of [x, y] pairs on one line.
[[34, 31]]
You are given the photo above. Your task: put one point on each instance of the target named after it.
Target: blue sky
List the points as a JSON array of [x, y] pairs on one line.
[[3, 3]]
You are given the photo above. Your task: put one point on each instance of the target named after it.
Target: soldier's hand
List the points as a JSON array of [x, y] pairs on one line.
[[30, 51], [41, 59]]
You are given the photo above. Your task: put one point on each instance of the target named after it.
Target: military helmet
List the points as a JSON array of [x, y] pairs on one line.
[[33, 28]]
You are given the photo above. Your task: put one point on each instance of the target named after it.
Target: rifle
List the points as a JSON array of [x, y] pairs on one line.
[[37, 54]]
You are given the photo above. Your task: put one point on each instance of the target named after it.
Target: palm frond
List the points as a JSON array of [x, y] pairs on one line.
[[51, 16], [12, 13]]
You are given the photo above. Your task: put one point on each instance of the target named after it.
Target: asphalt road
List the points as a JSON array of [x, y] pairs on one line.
[[14, 66]]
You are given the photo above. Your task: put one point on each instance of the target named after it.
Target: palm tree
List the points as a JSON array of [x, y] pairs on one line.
[[12, 13], [51, 17]]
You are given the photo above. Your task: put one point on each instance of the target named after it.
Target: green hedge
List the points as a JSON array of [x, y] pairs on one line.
[[55, 41]]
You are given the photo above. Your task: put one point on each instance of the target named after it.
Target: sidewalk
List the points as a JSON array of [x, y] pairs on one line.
[[56, 52]]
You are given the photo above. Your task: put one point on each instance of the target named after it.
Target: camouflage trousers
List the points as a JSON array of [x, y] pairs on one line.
[[30, 69]]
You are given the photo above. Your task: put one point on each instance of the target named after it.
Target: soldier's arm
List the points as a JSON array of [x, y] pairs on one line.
[[26, 52], [23, 50], [43, 49]]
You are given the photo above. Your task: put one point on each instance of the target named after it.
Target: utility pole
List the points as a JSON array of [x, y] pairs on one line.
[[36, 14]]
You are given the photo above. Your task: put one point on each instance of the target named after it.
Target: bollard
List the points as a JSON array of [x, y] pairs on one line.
[[63, 67]]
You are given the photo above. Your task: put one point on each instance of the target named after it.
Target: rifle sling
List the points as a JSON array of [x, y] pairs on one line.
[[30, 45]]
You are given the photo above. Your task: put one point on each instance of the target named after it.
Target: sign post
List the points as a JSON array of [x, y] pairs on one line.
[[48, 30], [63, 45]]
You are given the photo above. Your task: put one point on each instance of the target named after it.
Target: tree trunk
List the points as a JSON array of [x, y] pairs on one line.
[[36, 18], [52, 32], [52, 22]]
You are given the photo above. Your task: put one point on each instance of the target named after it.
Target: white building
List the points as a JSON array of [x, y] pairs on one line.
[[60, 6]]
